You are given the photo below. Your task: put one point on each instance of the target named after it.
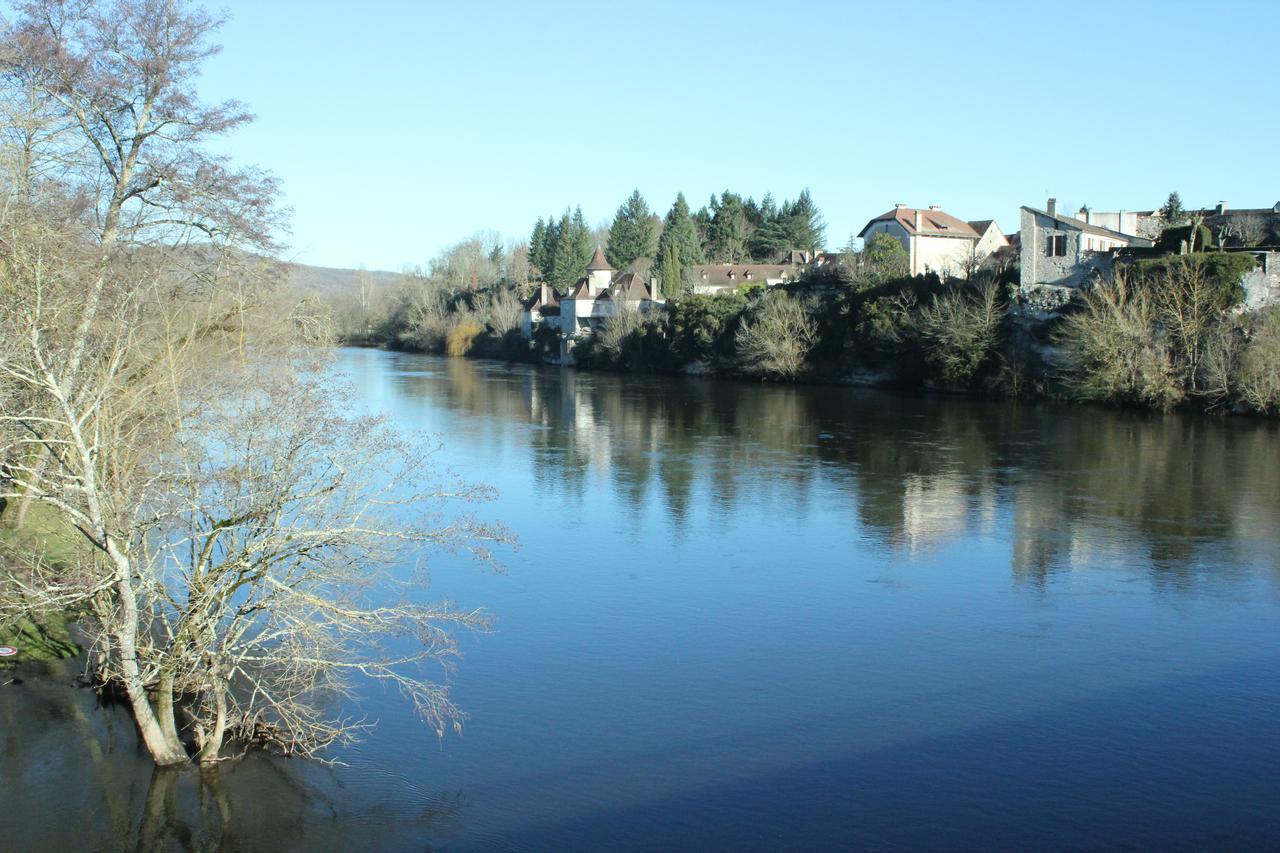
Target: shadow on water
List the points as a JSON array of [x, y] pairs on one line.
[[74, 772]]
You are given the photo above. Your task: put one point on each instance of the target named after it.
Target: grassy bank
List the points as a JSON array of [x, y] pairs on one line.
[[44, 636]]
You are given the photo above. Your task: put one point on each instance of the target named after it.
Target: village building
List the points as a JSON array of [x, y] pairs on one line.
[[543, 308], [937, 242], [601, 293], [1061, 251], [723, 278]]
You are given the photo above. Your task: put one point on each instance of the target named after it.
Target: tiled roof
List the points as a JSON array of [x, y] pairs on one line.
[[736, 275], [629, 286], [550, 305], [933, 223], [598, 261]]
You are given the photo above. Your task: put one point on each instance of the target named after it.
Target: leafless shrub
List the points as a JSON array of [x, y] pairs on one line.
[[1112, 349], [776, 342]]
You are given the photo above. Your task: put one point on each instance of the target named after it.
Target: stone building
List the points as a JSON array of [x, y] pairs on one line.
[[1060, 251]]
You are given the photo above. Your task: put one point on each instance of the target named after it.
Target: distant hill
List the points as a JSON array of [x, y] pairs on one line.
[[333, 281]]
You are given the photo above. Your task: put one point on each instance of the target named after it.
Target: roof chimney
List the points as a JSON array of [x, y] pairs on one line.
[[899, 206], [1222, 208], [935, 207], [919, 220], [1052, 207]]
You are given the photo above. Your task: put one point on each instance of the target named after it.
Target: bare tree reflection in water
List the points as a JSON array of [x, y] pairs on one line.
[[113, 798]]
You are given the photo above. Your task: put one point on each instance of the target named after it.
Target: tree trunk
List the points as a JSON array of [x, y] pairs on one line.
[[212, 745], [155, 724]]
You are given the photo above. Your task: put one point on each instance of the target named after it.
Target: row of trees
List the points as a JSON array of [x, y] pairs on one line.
[[728, 229], [229, 527]]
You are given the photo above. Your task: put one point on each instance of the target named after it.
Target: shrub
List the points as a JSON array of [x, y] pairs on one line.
[[1112, 350], [462, 336], [1258, 376], [702, 326], [1222, 271], [776, 342], [959, 331]]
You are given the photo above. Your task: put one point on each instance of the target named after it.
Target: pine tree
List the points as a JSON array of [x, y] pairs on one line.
[[564, 266], [583, 245], [538, 249], [632, 235], [727, 235], [681, 232], [804, 224], [1173, 212], [669, 273]]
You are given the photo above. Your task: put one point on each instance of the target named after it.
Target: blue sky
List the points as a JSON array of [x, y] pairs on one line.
[[398, 128]]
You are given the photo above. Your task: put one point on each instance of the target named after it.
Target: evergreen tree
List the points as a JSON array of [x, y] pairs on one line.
[[670, 271], [702, 221], [583, 245], [680, 230], [564, 265], [804, 224], [632, 235], [727, 234], [1173, 212], [538, 249]]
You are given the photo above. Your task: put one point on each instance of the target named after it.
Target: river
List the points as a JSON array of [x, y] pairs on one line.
[[762, 617]]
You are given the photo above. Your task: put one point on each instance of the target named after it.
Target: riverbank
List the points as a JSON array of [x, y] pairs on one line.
[[1169, 340]]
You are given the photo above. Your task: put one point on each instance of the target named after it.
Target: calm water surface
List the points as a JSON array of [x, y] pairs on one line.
[[748, 617]]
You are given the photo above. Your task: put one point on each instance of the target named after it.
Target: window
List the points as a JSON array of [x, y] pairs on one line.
[[1056, 245]]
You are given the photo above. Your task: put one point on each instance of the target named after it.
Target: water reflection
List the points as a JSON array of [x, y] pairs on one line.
[[914, 473], [752, 616], [74, 774]]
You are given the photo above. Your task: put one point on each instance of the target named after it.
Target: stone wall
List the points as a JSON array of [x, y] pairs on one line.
[[1078, 266], [1262, 286]]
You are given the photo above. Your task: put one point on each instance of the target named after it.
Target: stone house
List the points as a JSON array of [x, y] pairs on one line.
[[1060, 251], [937, 242]]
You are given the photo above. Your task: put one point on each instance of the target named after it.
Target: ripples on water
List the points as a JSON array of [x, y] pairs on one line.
[[750, 616]]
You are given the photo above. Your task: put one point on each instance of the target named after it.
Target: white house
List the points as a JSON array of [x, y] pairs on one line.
[[599, 295], [936, 241]]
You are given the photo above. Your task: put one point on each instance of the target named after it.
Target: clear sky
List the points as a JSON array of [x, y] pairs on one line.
[[398, 128]]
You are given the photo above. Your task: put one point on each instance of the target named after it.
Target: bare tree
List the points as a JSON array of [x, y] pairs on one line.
[[237, 525], [1114, 350], [959, 330], [776, 342], [120, 74], [503, 311]]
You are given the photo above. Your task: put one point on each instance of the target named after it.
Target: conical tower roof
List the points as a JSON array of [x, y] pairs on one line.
[[598, 261]]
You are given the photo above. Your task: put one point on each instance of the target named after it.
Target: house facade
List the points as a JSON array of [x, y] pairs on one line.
[[937, 242], [1061, 251], [543, 308], [723, 278]]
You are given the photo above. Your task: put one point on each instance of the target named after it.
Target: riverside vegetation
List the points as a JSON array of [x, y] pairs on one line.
[[177, 472], [1166, 331]]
